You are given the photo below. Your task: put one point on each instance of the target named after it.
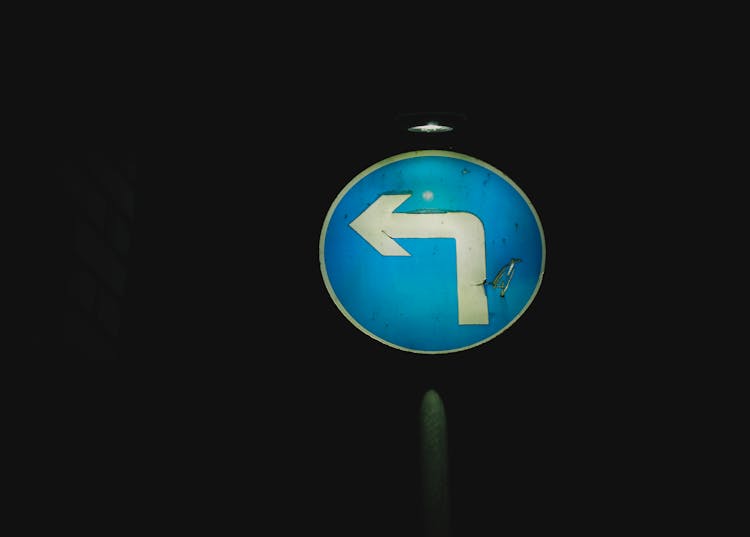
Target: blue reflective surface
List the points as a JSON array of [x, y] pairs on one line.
[[411, 302]]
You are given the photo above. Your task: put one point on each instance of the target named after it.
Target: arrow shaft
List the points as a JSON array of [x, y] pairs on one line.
[[468, 231]]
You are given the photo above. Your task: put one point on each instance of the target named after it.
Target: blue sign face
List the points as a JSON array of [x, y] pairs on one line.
[[432, 251]]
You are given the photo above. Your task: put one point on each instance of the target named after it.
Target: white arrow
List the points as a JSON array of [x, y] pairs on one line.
[[378, 225]]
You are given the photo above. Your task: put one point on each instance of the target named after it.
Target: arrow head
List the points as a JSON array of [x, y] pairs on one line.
[[370, 224]]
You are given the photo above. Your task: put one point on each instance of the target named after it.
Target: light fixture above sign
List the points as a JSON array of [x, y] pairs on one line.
[[430, 122], [430, 126]]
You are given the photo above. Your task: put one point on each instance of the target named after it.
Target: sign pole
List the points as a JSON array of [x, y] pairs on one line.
[[434, 478]]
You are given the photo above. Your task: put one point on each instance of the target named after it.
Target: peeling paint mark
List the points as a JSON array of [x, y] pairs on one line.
[[505, 275]]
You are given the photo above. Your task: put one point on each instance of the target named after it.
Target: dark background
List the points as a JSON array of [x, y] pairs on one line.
[[239, 393], [223, 389]]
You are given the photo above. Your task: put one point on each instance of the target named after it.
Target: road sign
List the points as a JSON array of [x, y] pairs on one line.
[[432, 251]]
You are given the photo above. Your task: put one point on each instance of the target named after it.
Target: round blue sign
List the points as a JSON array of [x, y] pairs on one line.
[[432, 251]]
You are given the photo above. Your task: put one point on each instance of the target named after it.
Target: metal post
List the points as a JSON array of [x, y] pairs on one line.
[[434, 466]]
